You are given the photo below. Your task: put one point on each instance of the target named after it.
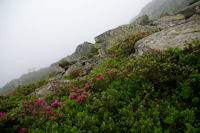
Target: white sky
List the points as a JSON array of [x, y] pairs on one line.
[[37, 33]]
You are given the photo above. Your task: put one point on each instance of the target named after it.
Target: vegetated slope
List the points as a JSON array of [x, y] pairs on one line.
[[30, 77], [156, 92]]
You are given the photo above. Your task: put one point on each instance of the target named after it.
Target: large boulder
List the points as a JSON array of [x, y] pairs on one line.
[[63, 63], [112, 37], [82, 50], [169, 21], [174, 36], [142, 20]]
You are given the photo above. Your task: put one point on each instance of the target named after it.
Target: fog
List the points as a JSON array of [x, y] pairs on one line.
[[37, 33]]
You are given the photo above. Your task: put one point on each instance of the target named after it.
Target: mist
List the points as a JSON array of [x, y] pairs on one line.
[[37, 33]]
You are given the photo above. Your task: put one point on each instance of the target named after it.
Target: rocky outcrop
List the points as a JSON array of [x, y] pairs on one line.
[[169, 21], [158, 7], [63, 63], [110, 38], [174, 36], [190, 10], [81, 51]]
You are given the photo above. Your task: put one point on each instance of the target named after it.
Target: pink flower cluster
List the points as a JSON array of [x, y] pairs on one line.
[[99, 77], [106, 72], [2, 115], [57, 102], [39, 102], [77, 95], [87, 84]]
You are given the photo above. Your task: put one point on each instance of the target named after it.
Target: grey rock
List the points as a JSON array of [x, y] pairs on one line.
[[175, 36], [190, 10], [63, 63], [169, 21], [81, 51], [158, 7], [112, 37], [142, 20]]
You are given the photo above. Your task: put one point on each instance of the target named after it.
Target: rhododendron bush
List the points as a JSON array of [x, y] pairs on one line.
[[157, 92]]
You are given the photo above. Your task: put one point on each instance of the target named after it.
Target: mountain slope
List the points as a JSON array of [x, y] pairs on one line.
[[141, 77]]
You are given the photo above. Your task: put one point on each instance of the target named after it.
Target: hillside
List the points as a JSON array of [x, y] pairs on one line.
[[139, 77]]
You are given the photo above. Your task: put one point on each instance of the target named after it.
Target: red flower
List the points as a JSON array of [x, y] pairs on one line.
[[33, 112], [31, 106], [23, 129], [80, 90], [87, 85]]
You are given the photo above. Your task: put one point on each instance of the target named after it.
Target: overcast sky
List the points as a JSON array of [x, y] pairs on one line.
[[37, 33]]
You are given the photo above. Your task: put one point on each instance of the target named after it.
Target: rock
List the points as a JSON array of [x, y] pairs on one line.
[[63, 63], [44, 91], [171, 37], [169, 21], [190, 10], [142, 20], [81, 51], [157, 7], [112, 37]]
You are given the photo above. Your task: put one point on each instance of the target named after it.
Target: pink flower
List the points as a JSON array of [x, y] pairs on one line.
[[49, 117], [54, 114], [11, 118], [23, 101], [59, 103], [127, 74], [87, 85], [23, 129], [62, 114], [71, 96], [101, 76], [76, 100], [77, 78], [24, 106], [47, 108], [53, 104], [76, 88], [80, 90], [85, 93], [63, 103], [42, 116], [33, 112], [31, 106], [79, 98], [106, 72], [56, 101]]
